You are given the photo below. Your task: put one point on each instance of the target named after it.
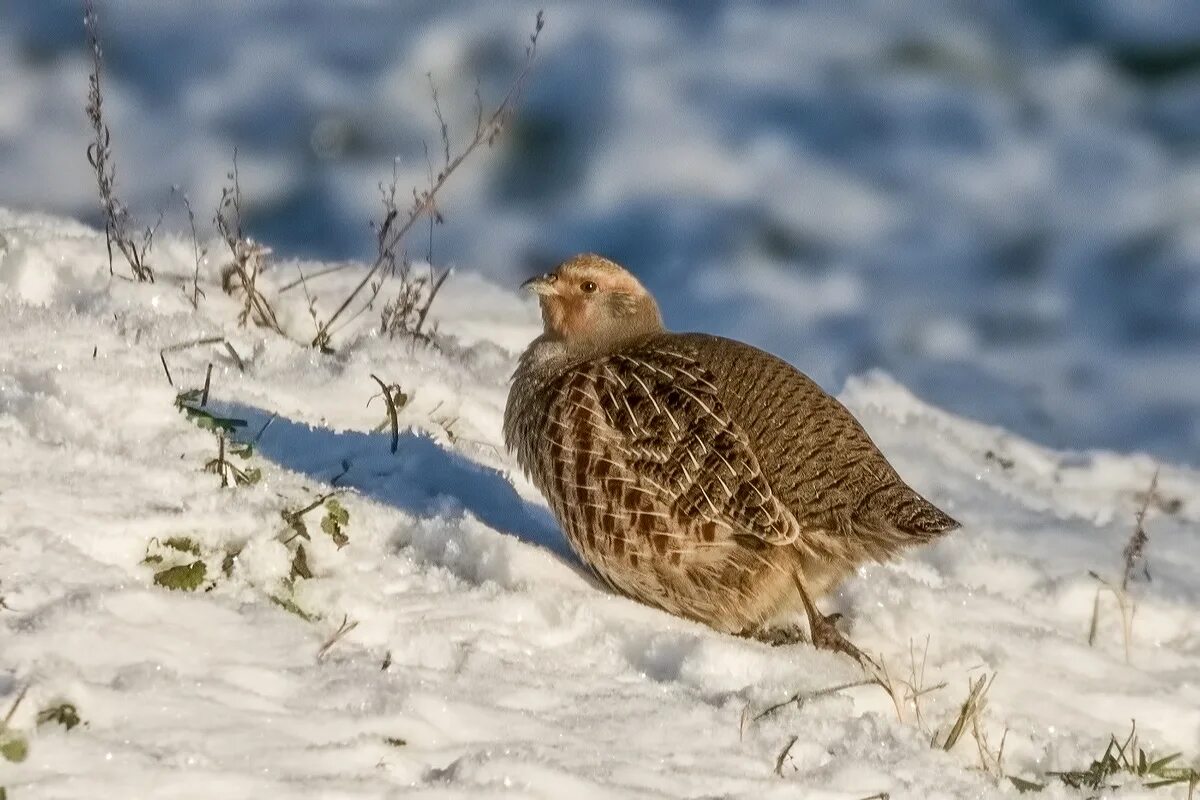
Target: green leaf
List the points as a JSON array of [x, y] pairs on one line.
[[189, 403], [186, 577], [337, 512], [300, 564], [229, 561], [65, 714], [13, 748], [336, 516], [187, 398], [331, 527], [183, 544], [1156, 766], [287, 604], [1024, 786]]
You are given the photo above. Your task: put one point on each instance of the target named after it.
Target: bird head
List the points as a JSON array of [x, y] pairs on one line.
[[591, 303]]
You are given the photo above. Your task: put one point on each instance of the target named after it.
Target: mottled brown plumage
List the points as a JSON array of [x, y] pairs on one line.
[[695, 473]]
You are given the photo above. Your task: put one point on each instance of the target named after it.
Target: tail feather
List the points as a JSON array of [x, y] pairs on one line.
[[910, 515]]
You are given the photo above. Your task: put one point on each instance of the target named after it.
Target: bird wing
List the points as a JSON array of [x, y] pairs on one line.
[[850, 503], [643, 447]]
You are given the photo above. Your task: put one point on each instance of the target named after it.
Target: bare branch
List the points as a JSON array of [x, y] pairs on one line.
[[247, 256], [343, 629], [1135, 550], [437, 111], [391, 407], [197, 252], [117, 220], [783, 754], [425, 202]]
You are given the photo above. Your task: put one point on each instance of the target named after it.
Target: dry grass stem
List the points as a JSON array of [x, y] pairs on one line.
[[1135, 549], [13, 708], [1134, 556], [801, 698], [207, 385], [783, 754], [915, 687], [972, 707], [247, 257], [990, 762], [198, 252], [162, 354], [343, 629], [118, 222], [390, 234], [393, 418]]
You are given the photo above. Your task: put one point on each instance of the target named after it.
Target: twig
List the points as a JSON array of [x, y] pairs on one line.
[[13, 709], [326, 271], [162, 354], [425, 202], [391, 407], [207, 383], [197, 292], [237, 359], [916, 683], [802, 698], [971, 708], [437, 111], [221, 460], [247, 255], [312, 302], [294, 519], [265, 425], [783, 754], [117, 220], [1134, 553], [1135, 549], [343, 629], [884, 680]]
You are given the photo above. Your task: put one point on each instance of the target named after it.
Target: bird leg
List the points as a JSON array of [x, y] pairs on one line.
[[825, 635]]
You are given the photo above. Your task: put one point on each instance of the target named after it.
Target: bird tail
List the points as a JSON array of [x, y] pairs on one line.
[[911, 515]]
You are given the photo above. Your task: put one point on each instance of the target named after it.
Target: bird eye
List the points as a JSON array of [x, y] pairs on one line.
[[588, 287]]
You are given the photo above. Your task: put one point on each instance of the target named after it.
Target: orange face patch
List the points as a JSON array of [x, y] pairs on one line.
[[566, 315]]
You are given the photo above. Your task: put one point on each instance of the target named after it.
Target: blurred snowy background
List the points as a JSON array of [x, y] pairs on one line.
[[996, 201]]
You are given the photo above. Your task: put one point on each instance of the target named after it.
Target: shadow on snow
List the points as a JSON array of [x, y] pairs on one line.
[[421, 477]]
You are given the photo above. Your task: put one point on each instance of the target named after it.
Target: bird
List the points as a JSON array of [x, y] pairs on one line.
[[698, 474]]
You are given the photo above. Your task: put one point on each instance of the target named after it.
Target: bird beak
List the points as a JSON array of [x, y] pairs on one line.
[[542, 284]]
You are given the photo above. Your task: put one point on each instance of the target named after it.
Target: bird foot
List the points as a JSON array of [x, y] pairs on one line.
[[826, 636], [780, 637]]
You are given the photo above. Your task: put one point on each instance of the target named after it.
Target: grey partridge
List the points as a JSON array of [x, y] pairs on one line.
[[698, 474]]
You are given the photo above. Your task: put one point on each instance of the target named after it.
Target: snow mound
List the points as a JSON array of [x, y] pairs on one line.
[[451, 646]]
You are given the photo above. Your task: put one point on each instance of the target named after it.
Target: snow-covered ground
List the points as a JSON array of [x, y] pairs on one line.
[[479, 660], [996, 202]]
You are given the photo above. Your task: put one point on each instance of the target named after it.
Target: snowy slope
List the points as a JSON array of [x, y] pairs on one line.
[[491, 662]]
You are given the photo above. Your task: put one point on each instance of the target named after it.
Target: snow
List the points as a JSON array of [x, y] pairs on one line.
[[951, 191], [479, 641]]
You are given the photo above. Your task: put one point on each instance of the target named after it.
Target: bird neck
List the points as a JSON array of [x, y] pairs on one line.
[[604, 333]]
